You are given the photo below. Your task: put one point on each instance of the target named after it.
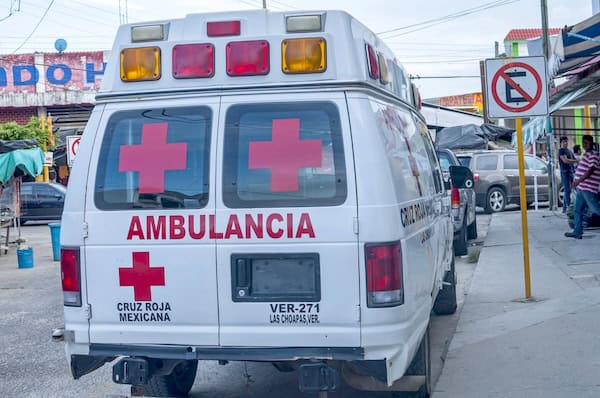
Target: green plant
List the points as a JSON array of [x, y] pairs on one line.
[[32, 130]]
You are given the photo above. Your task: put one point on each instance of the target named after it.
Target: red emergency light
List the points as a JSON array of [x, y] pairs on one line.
[[373, 62], [193, 60], [223, 28], [247, 58]]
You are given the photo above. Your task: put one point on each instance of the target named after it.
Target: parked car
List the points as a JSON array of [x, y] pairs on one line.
[[463, 205], [40, 201], [496, 176]]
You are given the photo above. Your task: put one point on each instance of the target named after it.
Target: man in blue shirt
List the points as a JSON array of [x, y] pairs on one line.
[[566, 160]]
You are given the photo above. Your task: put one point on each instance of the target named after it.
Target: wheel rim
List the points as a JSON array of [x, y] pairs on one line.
[[561, 195], [496, 201]]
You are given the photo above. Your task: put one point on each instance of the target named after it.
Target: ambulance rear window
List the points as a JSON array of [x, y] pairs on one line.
[[283, 155], [155, 158]]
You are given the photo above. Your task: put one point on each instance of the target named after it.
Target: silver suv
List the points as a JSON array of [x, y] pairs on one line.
[[463, 205], [496, 176]]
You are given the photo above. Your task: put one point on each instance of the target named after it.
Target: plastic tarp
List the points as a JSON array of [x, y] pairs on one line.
[[28, 161], [11, 145], [469, 136]]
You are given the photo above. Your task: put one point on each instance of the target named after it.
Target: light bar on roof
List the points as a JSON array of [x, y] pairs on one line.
[[303, 23], [148, 33]]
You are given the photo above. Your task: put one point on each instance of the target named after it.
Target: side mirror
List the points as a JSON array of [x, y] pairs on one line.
[[461, 177]]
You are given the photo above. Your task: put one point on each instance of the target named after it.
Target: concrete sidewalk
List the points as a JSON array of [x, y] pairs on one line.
[[504, 347]]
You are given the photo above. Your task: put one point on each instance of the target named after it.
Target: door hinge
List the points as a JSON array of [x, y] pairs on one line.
[[358, 313], [85, 229], [355, 225], [88, 311]]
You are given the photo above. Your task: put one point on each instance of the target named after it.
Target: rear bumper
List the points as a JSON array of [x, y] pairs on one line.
[[227, 353]]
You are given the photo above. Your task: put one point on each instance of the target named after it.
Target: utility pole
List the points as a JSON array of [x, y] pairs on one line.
[[550, 139], [265, 4]]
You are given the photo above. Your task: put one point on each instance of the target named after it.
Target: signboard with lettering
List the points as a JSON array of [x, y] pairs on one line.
[[50, 72]]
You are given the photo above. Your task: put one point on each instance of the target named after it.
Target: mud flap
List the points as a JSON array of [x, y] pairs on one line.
[[317, 377], [84, 364]]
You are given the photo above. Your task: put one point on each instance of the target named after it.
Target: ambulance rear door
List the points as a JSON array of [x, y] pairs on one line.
[[149, 257], [287, 247]]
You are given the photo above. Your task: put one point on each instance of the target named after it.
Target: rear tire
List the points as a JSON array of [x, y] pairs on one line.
[[446, 303], [177, 384], [472, 229], [495, 200], [460, 241]]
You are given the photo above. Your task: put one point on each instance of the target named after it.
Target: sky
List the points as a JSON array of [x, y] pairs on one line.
[[452, 48]]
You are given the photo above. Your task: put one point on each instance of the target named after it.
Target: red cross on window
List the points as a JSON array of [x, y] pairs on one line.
[[285, 155], [142, 276], [153, 157]]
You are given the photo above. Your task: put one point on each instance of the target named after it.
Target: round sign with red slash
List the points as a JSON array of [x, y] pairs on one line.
[[516, 87], [530, 72]]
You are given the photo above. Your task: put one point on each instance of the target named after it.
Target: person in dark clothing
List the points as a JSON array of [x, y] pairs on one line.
[[577, 152], [566, 160]]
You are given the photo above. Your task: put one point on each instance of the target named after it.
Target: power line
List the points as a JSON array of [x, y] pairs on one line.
[[35, 28], [447, 18], [417, 77]]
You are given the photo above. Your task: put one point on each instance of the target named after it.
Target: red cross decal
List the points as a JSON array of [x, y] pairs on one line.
[[142, 277], [285, 155], [153, 157]]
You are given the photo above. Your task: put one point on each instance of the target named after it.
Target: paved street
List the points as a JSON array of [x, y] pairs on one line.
[[31, 365]]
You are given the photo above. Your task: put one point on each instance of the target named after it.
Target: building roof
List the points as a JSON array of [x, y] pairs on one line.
[[528, 33]]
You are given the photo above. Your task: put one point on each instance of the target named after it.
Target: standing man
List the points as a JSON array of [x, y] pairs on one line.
[[587, 183], [566, 160]]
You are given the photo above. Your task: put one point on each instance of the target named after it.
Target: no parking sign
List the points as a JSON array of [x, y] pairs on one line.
[[516, 87], [72, 146]]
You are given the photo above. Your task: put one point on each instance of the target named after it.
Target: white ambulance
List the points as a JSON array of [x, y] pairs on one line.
[[256, 186]]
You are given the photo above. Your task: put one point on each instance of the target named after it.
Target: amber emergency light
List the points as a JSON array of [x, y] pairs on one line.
[[140, 64], [306, 55]]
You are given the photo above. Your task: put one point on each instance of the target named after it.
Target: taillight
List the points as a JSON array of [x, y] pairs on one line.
[[70, 276], [384, 275], [455, 195], [475, 177], [247, 58]]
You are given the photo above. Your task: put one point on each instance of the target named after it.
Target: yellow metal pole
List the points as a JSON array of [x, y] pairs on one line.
[[587, 110], [524, 227]]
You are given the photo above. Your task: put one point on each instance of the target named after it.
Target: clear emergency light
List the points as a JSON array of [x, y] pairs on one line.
[[303, 23], [148, 33]]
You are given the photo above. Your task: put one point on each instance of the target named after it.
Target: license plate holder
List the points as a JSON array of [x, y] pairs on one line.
[[276, 277]]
